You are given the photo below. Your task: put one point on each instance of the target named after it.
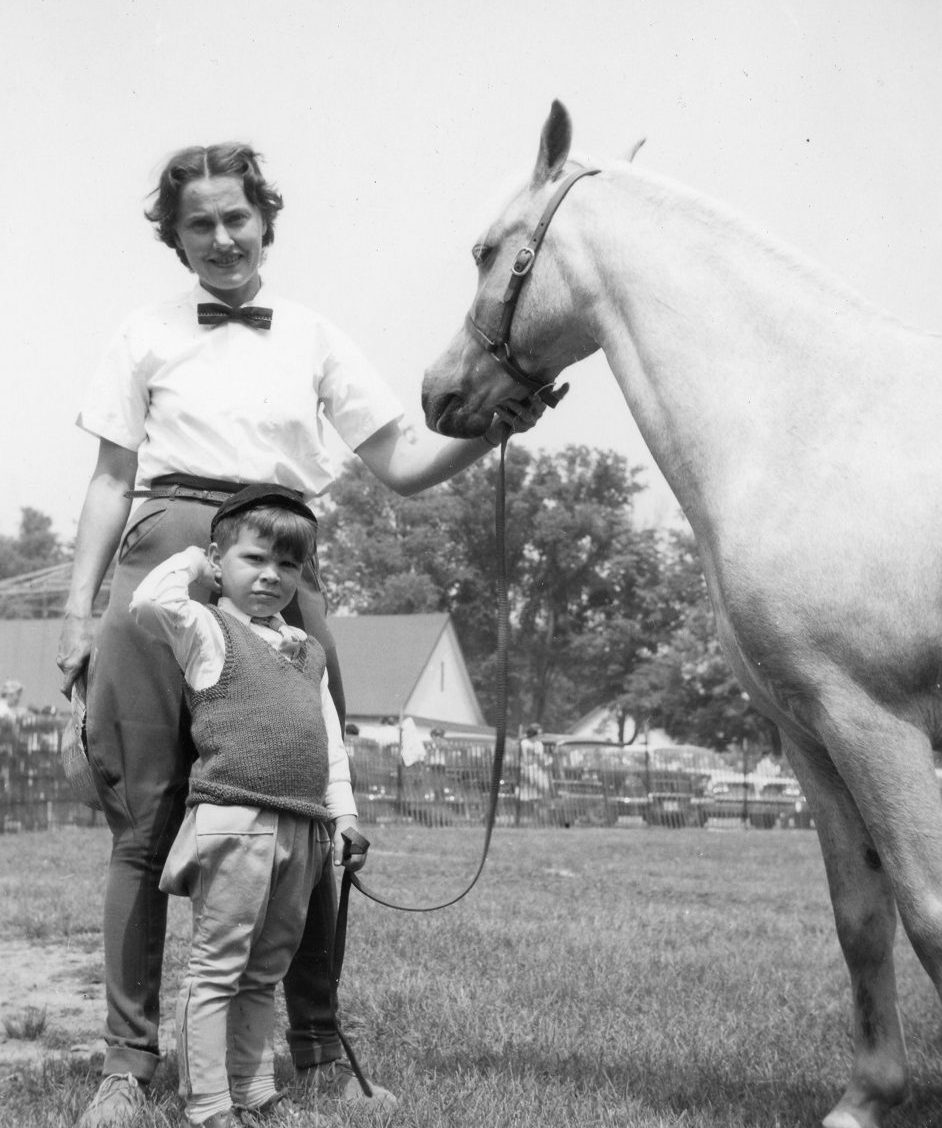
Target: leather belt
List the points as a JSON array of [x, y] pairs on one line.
[[183, 493], [189, 487]]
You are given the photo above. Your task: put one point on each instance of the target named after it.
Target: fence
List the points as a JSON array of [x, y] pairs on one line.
[[585, 784], [34, 793]]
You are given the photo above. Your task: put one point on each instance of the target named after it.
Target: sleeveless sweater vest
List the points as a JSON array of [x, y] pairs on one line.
[[259, 730]]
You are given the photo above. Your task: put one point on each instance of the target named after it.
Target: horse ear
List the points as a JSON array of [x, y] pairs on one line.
[[554, 145], [634, 149]]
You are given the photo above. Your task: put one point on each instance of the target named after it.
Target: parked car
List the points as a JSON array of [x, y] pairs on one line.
[[793, 809], [761, 803], [675, 799], [730, 799], [598, 783], [595, 782], [580, 802], [430, 794]]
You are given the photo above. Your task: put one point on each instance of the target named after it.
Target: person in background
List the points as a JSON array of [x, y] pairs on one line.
[[535, 772], [196, 397], [11, 691]]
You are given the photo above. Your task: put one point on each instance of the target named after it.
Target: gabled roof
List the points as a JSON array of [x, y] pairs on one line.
[[382, 658]]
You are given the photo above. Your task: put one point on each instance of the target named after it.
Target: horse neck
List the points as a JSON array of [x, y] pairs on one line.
[[725, 345]]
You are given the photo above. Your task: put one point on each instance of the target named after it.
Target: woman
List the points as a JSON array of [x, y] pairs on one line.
[[195, 398]]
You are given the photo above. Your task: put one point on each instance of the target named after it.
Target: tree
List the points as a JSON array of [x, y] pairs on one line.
[[33, 555], [576, 562], [686, 685], [383, 554], [36, 545], [600, 612]]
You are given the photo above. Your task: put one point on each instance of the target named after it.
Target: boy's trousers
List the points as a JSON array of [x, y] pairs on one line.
[[140, 752], [249, 874]]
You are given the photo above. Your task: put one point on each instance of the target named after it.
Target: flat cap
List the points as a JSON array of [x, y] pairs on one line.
[[259, 496]]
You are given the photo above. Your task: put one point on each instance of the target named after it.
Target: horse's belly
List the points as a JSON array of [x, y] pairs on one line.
[[791, 622]]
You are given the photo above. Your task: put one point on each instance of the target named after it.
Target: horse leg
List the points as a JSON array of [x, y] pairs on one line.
[[888, 766], [865, 915]]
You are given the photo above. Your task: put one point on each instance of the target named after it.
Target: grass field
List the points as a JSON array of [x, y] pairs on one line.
[[614, 978]]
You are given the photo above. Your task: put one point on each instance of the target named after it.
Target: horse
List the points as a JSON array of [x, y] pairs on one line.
[[798, 427]]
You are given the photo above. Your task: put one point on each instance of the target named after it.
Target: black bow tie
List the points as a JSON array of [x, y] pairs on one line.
[[210, 313]]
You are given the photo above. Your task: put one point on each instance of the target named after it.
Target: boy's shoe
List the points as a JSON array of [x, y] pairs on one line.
[[227, 1119], [116, 1104], [280, 1111], [337, 1081]]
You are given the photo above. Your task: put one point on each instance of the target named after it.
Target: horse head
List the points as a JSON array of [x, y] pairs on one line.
[[525, 324]]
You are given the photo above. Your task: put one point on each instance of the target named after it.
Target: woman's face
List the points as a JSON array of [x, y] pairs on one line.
[[220, 233]]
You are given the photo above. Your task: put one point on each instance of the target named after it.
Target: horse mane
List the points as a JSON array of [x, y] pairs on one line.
[[661, 190]]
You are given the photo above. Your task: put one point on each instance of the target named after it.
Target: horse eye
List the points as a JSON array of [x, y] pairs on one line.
[[480, 253]]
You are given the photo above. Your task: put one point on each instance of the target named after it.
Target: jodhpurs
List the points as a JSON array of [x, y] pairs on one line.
[[249, 874]]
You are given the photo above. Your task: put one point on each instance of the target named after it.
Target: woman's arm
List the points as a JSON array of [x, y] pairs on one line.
[[100, 526], [410, 460]]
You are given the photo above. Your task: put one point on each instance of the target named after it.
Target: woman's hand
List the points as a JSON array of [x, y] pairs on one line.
[[514, 417], [75, 647], [99, 532], [409, 461]]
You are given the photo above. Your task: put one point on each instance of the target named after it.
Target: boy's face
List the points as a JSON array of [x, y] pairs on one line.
[[258, 580]]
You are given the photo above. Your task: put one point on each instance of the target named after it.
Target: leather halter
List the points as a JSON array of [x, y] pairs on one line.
[[499, 345]]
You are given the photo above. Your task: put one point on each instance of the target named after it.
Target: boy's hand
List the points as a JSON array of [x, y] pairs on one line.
[[204, 573], [356, 860]]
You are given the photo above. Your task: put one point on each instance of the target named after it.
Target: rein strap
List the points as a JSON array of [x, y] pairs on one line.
[[500, 741]]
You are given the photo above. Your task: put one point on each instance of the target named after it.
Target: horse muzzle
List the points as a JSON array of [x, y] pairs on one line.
[[448, 414]]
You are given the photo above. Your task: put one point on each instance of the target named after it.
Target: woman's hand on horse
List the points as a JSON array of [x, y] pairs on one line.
[[514, 417]]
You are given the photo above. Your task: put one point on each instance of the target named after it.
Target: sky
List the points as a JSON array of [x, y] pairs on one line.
[[389, 125]]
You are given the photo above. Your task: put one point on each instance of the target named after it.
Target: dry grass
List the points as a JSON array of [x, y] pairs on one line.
[[26, 1025], [606, 978]]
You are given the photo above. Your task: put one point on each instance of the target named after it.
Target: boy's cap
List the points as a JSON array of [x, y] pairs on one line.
[[255, 497]]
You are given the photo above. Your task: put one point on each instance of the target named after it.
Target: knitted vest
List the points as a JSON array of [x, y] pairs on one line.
[[259, 730]]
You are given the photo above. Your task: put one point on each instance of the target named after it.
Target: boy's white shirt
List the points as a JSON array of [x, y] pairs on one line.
[[161, 604]]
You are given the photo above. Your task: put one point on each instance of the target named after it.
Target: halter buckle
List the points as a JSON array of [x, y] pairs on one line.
[[526, 256]]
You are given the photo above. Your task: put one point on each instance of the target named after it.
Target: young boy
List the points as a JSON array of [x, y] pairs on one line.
[[272, 775]]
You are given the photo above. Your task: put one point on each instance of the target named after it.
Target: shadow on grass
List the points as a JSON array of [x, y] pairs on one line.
[[56, 1093], [669, 1090]]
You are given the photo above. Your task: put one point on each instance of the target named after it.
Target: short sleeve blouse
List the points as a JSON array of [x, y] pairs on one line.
[[231, 401]]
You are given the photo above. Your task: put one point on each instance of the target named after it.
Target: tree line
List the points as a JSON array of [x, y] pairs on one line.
[[602, 612], [35, 546]]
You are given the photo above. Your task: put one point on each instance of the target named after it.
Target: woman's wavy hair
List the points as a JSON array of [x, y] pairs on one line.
[[231, 158]]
